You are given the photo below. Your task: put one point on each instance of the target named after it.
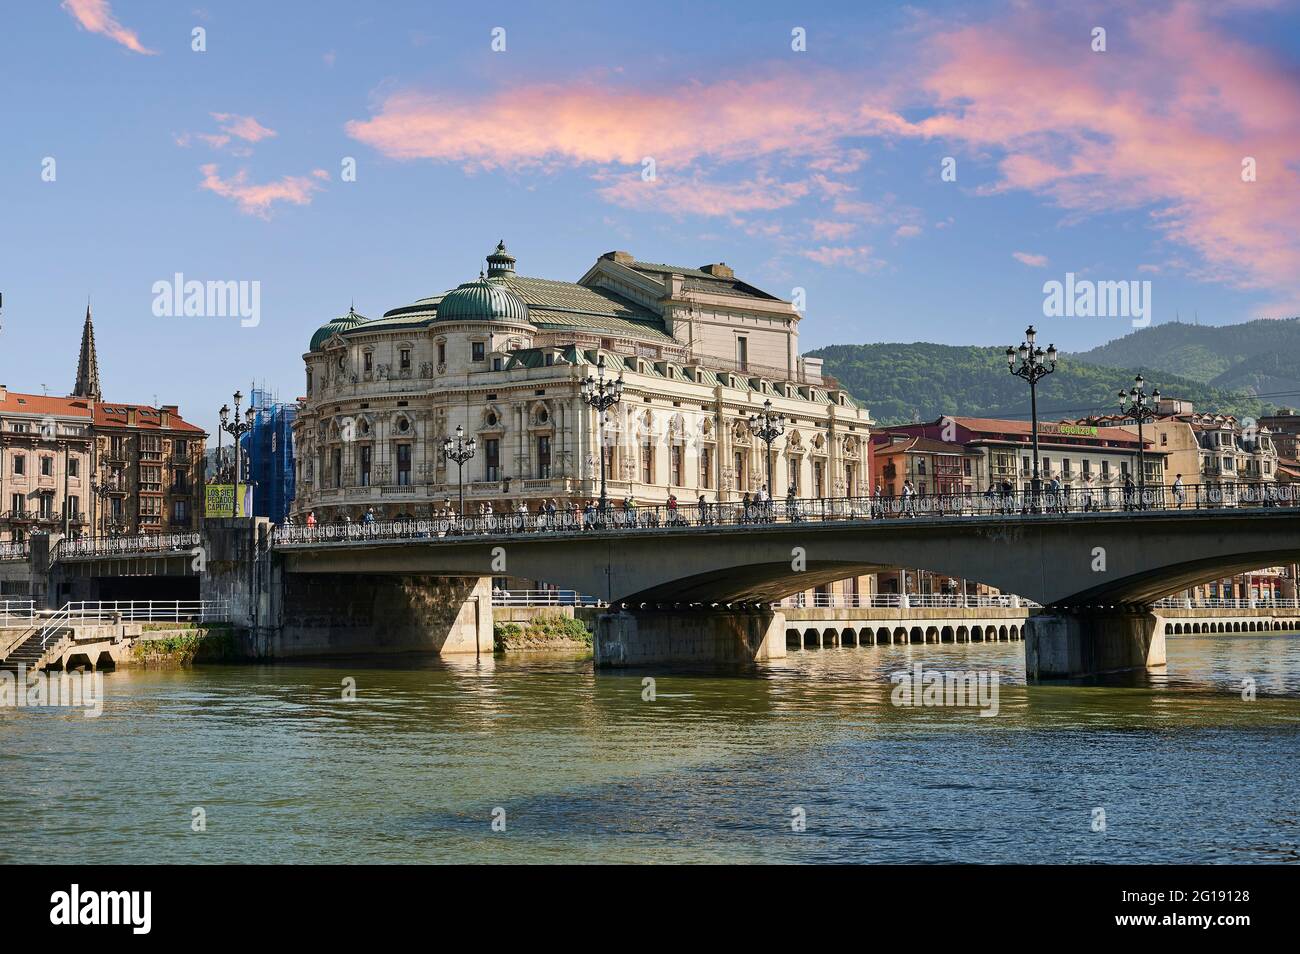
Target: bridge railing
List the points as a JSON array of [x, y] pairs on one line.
[[542, 598], [86, 548], [1227, 602], [913, 601], [15, 551], [629, 517]]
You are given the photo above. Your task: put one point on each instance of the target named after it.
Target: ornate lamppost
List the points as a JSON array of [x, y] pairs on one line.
[[101, 492], [767, 427], [237, 429], [602, 395], [460, 450], [1035, 364], [1141, 407]]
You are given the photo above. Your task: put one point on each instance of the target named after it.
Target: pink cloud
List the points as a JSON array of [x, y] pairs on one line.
[[97, 17], [697, 196], [783, 113], [826, 230], [1161, 122], [907, 231], [1031, 259], [258, 198], [244, 127], [856, 257]]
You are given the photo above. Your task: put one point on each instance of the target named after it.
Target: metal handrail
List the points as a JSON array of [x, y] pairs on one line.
[[1227, 602], [542, 598], [85, 547], [145, 611], [1020, 505], [913, 601]]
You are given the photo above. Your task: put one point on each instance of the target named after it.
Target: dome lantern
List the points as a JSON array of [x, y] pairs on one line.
[[501, 264]]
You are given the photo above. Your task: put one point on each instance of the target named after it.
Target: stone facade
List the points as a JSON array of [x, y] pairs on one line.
[[504, 358]]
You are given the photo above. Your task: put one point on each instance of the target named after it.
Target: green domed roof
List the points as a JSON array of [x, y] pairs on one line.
[[486, 299], [340, 324]]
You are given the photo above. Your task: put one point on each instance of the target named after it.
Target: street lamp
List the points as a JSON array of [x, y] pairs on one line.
[[1137, 404], [602, 395], [767, 427], [460, 450], [236, 429], [101, 492], [1035, 364]]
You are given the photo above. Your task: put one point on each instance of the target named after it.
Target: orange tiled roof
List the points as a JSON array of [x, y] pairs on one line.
[[110, 413], [993, 425], [14, 402]]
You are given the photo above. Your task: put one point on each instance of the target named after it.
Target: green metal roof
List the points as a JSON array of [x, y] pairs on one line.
[[335, 326], [487, 299]]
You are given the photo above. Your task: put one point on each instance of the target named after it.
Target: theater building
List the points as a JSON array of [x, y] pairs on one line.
[[503, 357]]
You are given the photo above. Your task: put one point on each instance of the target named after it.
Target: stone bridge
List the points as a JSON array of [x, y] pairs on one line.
[[685, 593]]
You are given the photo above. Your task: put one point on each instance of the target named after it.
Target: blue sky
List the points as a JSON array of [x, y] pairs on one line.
[[817, 169]]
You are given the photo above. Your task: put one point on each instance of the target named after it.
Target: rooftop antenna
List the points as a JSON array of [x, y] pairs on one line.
[[45, 391]]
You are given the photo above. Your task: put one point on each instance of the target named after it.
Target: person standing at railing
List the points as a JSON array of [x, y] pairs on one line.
[[1129, 492], [311, 519], [792, 506], [909, 499], [368, 517], [1180, 492], [703, 504]]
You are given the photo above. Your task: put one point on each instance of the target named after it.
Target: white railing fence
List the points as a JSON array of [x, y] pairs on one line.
[[139, 611], [542, 598], [17, 614]]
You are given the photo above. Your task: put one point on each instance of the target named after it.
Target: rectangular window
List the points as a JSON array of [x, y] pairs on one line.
[[647, 464], [477, 351], [180, 481], [47, 466], [309, 380], [1105, 470], [338, 467], [740, 472], [850, 484], [675, 465], [368, 362], [20, 464], [181, 512], [706, 467], [403, 464], [404, 359], [365, 466], [74, 506], [180, 448], [819, 479], [496, 364], [1024, 465], [74, 467], [46, 503], [492, 459], [442, 352], [1087, 468], [742, 353], [16, 503], [1066, 467], [920, 465], [544, 456]]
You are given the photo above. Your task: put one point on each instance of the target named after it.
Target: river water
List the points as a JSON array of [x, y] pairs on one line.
[[718, 767]]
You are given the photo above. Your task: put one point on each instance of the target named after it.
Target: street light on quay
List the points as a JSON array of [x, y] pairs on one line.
[[767, 427], [460, 450], [1035, 364], [236, 429], [602, 395], [1141, 407]]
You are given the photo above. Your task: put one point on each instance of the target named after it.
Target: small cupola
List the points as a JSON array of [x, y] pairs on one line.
[[501, 264]]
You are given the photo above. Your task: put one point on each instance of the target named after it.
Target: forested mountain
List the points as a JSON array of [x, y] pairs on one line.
[[905, 382]]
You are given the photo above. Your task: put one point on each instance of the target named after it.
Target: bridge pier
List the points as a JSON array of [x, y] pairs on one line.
[[1071, 644], [644, 637]]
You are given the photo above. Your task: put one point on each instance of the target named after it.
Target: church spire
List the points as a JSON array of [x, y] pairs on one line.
[[87, 385]]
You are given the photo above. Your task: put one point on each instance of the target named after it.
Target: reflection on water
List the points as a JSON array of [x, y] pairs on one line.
[[1186, 770]]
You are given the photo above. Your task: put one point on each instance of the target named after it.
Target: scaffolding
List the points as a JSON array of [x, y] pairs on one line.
[[268, 450]]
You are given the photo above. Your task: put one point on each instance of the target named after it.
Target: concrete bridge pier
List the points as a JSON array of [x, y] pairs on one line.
[[1071, 644], [703, 635]]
